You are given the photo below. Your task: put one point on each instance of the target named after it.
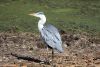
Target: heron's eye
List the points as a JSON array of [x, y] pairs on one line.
[[40, 13]]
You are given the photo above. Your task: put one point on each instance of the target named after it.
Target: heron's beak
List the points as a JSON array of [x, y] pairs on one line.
[[33, 14]]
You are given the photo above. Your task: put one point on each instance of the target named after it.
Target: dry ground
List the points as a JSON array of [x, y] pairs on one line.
[[27, 50]]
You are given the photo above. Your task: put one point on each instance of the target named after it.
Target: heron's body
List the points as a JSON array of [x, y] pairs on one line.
[[51, 37], [49, 33]]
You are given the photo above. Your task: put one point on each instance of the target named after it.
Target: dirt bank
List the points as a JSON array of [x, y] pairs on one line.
[[27, 49]]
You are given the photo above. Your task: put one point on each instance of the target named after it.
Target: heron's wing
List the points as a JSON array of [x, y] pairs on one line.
[[53, 30], [52, 37]]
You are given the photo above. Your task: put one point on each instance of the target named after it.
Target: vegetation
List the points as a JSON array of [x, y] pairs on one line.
[[73, 15]]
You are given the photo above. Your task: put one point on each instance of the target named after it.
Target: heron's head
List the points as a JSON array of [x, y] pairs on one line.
[[38, 14]]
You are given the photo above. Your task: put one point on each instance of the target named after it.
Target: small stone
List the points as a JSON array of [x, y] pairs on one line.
[[0, 59]]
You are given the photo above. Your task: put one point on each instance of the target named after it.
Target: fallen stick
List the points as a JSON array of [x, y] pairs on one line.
[[36, 59]]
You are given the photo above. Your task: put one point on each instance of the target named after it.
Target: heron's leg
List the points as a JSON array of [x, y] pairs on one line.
[[52, 57], [52, 54], [47, 52]]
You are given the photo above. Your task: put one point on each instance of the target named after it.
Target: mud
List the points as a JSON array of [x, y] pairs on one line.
[[27, 50]]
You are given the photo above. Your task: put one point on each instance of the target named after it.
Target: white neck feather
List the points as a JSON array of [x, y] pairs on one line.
[[41, 22]]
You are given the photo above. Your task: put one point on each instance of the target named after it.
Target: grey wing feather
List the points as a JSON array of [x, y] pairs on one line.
[[54, 30], [52, 37]]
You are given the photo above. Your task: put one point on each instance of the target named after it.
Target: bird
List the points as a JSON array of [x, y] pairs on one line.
[[49, 33]]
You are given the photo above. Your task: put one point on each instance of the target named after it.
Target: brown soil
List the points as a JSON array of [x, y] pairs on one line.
[[27, 50]]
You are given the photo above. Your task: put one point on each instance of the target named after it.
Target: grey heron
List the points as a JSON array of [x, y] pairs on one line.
[[49, 33]]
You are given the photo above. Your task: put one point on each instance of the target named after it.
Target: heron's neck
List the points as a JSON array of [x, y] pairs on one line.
[[41, 22]]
